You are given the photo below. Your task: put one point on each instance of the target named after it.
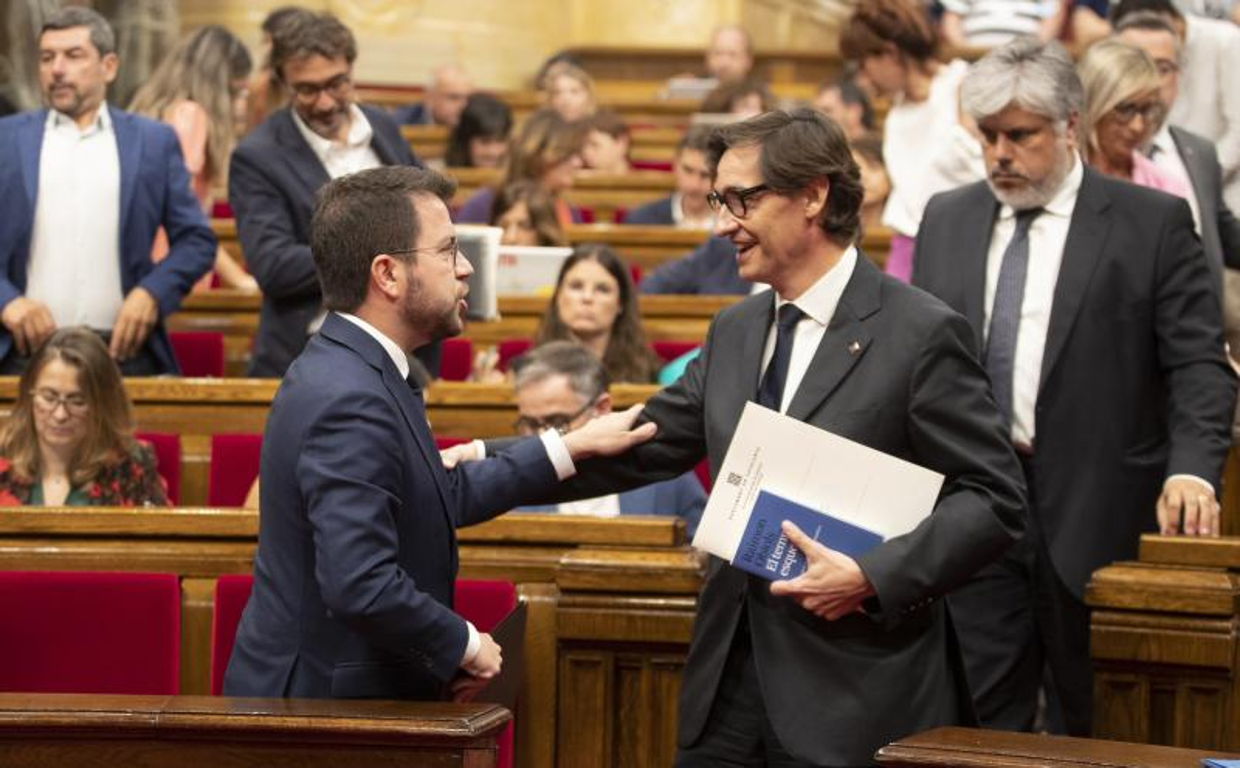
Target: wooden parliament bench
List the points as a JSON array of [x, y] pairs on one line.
[[603, 194], [610, 608], [646, 144], [976, 748], [74, 730]]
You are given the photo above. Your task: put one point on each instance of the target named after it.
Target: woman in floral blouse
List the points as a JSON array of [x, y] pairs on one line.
[[69, 440]]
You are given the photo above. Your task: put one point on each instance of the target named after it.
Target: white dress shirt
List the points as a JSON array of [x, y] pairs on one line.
[[342, 158], [554, 444], [818, 303], [679, 218], [1166, 155], [75, 245]]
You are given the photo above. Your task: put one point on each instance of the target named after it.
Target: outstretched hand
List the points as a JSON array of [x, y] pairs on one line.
[[832, 586], [609, 434]]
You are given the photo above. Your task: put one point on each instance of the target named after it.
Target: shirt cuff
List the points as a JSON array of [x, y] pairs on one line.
[[473, 646], [1204, 482], [480, 449], [558, 453]]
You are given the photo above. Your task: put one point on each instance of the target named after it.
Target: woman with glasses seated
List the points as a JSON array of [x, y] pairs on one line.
[[69, 440], [1122, 112]]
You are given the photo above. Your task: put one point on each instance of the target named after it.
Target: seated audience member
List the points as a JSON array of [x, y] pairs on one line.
[[595, 305], [69, 440], [743, 99], [279, 167], [569, 90], [75, 240], [546, 151], [526, 213], [267, 93], [894, 46], [867, 150], [480, 137], [843, 101], [1122, 111], [710, 269], [563, 386], [1188, 156], [607, 144], [987, 23], [729, 55], [1209, 101], [200, 89], [446, 95], [686, 207]]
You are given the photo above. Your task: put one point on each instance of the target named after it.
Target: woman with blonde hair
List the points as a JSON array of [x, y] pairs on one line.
[[1123, 110], [547, 151], [569, 90], [200, 89], [69, 439]]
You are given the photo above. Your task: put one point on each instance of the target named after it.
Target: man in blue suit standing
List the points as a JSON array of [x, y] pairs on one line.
[[86, 188], [277, 169], [357, 547]]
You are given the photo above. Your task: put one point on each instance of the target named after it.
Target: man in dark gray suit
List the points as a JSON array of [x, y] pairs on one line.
[[277, 169], [1188, 155], [827, 668], [1092, 301]]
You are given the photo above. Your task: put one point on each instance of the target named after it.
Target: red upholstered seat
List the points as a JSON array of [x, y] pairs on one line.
[[670, 350], [199, 353], [232, 592], [456, 359], [652, 165], [447, 441], [167, 449], [510, 348], [234, 466], [702, 470], [87, 632], [486, 603]]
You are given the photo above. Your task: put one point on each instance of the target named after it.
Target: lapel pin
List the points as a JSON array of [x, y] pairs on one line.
[[854, 347]]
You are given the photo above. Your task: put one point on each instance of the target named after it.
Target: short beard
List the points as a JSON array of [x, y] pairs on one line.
[[435, 325], [1037, 195]]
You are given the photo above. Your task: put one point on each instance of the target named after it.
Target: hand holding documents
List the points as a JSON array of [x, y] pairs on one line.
[[843, 494]]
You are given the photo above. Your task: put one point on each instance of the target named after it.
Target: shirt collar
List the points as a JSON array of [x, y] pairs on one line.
[[1065, 197], [820, 301], [1162, 140], [678, 214], [392, 348], [359, 135], [103, 120]]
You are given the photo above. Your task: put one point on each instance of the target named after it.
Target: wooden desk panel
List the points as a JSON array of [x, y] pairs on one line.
[[73, 730]]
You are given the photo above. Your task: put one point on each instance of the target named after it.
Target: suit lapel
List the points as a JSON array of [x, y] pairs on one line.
[[388, 154], [844, 343], [757, 326], [30, 146], [1087, 234], [129, 152], [1192, 165], [300, 157], [977, 226]]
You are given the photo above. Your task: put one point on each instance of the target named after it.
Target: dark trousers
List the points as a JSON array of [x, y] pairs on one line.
[[738, 733], [143, 363], [1020, 628]]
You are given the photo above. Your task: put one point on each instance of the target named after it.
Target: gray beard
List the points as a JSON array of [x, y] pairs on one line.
[[1038, 194]]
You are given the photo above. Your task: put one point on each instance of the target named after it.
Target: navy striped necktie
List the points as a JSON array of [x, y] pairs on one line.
[[1005, 313]]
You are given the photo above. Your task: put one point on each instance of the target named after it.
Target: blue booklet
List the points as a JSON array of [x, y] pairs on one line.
[[765, 551], [1215, 762]]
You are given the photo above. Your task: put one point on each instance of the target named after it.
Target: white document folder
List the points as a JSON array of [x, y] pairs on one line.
[[812, 467]]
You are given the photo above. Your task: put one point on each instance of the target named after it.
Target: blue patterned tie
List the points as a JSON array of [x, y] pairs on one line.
[[1005, 314], [771, 390]]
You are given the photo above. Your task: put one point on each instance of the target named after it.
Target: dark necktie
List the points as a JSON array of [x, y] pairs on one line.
[[771, 390], [1005, 313]]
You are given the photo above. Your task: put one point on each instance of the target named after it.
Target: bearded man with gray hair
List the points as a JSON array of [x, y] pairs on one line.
[[1092, 304]]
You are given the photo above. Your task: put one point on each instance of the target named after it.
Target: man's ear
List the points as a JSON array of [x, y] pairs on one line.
[[384, 276], [603, 404], [816, 197], [111, 66]]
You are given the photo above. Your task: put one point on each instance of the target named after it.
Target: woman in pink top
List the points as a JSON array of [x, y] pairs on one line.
[[200, 89], [1122, 112]]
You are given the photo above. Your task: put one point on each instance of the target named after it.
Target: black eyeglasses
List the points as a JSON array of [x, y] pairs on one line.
[[735, 200], [337, 88], [560, 422], [451, 252], [1150, 111]]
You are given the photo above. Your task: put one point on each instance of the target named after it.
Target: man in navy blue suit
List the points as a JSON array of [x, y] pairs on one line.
[[686, 207], [357, 546], [86, 187], [277, 169]]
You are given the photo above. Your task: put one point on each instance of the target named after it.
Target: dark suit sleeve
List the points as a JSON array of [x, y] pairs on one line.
[[502, 481], [350, 475], [680, 276], [192, 244], [1188, 321], [953, 428], [278, 259], [1229, 234]]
